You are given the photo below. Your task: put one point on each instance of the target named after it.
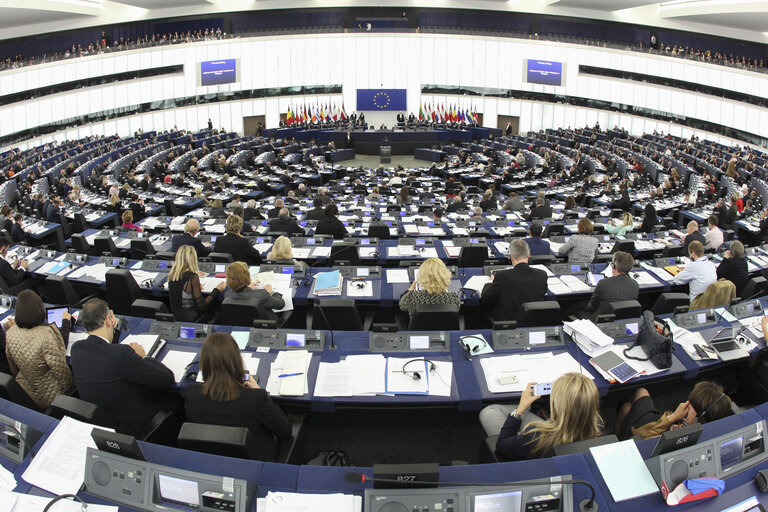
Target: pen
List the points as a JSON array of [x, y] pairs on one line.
[[289, 374]]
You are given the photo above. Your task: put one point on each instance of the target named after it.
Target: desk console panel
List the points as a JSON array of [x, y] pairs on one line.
[[528, 338], [287, 339], [421, 341]]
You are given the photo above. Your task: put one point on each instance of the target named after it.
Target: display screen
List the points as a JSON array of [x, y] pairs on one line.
[[418, 342], [176, 490], [55, 316], [365, 241], [501, 502], [632, 328], [218, 72], [419, 241], [115, 261], [537, 337], [362, 272], [220, 268], [595, 278], [310, 241], [575, 268], [295, 339], [730, 452], [287, 270], [750, 308], [701, 318], [186, 333], [162, 265], [213, 239], [474, 241], [544, 72]]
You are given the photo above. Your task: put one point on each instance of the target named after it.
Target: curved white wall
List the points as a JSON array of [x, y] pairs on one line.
[[378, 60]]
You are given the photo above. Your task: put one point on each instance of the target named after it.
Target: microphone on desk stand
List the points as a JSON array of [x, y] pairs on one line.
[[587, 505]]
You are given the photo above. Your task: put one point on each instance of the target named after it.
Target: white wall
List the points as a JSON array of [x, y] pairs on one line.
[[377, 60]]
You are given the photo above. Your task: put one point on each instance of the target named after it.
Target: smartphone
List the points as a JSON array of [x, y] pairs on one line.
[[246, 377], [541, 389]]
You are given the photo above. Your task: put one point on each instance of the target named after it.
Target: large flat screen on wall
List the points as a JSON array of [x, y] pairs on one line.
[[544, 72], [218, 72]]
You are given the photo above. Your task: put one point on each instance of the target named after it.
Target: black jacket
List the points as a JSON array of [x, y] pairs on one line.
[[187, 239], [612, 289], [115, 378], [512, 288], [240, 248], [252, 213], [287, 226], [736, 271], [11, 276], [695, 236], [253, 409], [541, 212], [316, 214], [331, 226], [18, 234]]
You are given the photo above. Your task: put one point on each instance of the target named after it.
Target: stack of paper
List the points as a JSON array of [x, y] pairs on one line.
[[535, 367], [151, 343], [623, 470], [178, 362], [658, 272], [575, 284], [359, 288], [328, 283], [400, 377], [289, 362], [589, 338], [298, 502]]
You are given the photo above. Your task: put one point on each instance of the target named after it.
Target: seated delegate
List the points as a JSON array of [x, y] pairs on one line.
[[627, 224], [620, 286], [510, 289], [36, 350], [234, 244], [241, 288], [734, 267], [231, 397], [434, 278], [575, 416], [282, 250], [185, 291], [581, 248], [699, 273]]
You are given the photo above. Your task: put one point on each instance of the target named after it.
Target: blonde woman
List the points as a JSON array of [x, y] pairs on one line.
[[575, 416], [283, 250], [627, 225], [114, 204], [186, 294], [434, 278]]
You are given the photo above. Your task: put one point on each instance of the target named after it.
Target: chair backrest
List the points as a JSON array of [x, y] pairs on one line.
[[336, 314], [668, 301], [11, 390], [379, 230], [584, 446], [79, 224], [105, 244], [60, 291], [553, 228], [627, 246], [539, 313], [719, 293], [122, 290], [236, 311], [170, 208], [672, 251], [80, 244], [473, 255], [219, 440], [435, 317], [541, 259], [221, 257], [141, 248], [145, 308], [344, 253], [65, 405], [755, 287], [625, 309]]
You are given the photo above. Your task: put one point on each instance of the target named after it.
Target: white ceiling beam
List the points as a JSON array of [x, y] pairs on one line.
[[81, 7]]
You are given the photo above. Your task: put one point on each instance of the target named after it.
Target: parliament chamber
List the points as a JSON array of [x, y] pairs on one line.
[[382, 259]]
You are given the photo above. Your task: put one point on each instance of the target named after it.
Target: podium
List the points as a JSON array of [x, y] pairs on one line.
[[385, 154]]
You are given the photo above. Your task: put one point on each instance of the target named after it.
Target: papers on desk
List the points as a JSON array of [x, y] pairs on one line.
[[299, 502], [262, 248], [328, 283], [178, 361], [60, 463], [477, 283], [367, 252], [321, 252], [399, 377], [207, 284], [555, 246], [17, 502], [644, 278], [55, 267], [123, 243], [567, 284], [401, 251], [7, 480], [151, 343], [142, 276], [623, 470], [658, 272], [688, 340], [97, 272], [302, 252], [544, 268], [589, 338], [287, 362], [538, 367], [359, 288], [397, 275], [452, 251]]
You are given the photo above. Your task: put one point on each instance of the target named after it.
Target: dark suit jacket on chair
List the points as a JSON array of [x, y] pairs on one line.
[[11, 276], [612, 289], [696, 235], [115, 378], [187, 239], [512, 288], [288, 226], [240, 248], [316, 214], [735, 270], [331, 226], [541, 212], [18, 234]]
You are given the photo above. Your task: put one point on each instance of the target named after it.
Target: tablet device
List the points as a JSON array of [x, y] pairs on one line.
[[623, 372]]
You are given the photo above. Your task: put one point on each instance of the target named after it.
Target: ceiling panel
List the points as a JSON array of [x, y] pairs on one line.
[[161, 4], [14, 17], [757, 21], [602, 5]]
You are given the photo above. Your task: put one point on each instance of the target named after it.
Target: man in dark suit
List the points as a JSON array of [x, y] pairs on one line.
[[540, 211], [318, 212], [537, 245], [285, 224], [721, 212], [52, 211], [12, 273], [273, 213], [618, 287], [18, 233], [510, 289], [693, 235], [331, 225], [189, 237], [457, 204], [251, 212], [117, 378], [137, 207], [233, 243]]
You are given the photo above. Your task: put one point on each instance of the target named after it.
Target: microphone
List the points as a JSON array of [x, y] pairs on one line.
[[588, 505]]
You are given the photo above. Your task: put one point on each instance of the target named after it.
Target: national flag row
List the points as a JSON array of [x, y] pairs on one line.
[[448, 114], [315, 113]]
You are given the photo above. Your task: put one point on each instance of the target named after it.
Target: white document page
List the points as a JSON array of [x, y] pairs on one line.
[[177, 362], [624, 470], [60, 463], [299, 502], [147, 341], [402, 381], [7, 480], [397, 275], [477, 283], [368, 371], [440, 379], [321, 252], [334, 379], [358, 288], [294, 361], [27, 503], [74, 337]]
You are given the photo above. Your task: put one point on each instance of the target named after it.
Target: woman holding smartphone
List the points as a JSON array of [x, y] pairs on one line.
[[230, 397], [575, 416]]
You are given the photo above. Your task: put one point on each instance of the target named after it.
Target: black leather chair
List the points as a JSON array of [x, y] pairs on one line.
[[80, 244], [236, 442], [541, 259], [672, 251], [12, 391], [79, 224], [238, 312], [141, 248], [344, 254], [170, 209], [625, 309], [122, 291], [668, 302], [553, 228], [59, 291], [584, 446], [540, 313], [472, 256], [379, 230], [104, 245], [755, 287], [627, 246], [221, 257], [436, 317], [339, 315], [145, 308]]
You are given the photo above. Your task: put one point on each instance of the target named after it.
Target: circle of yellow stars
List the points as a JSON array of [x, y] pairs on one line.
[[376, 100]]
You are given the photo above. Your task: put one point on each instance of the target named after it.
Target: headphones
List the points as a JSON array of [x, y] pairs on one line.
[[476, 348], [705, 411], [415, 374], [359, 284]]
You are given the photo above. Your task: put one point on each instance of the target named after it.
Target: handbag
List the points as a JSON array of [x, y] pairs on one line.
[[656, 340]]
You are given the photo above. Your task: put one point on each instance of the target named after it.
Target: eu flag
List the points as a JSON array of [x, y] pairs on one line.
[[381, 99]]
